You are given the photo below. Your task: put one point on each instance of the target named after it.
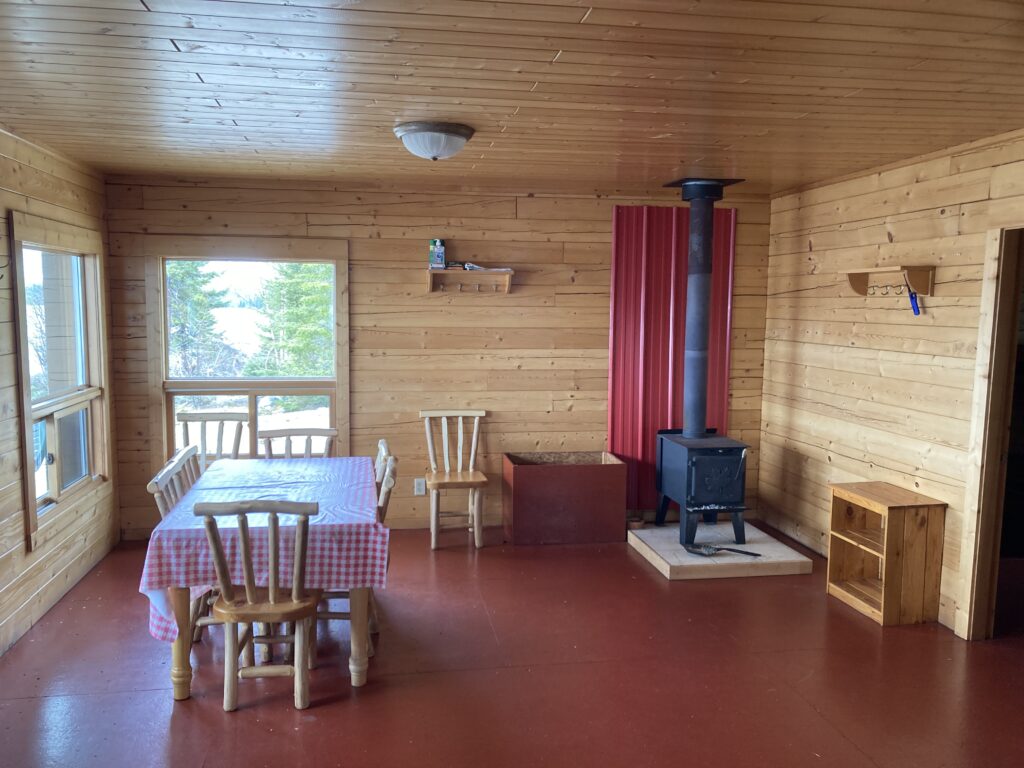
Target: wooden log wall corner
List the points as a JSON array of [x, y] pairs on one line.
[[71, 539], [859, 388]]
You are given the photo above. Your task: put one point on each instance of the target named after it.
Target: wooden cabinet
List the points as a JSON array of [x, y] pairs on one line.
[[885, 551]]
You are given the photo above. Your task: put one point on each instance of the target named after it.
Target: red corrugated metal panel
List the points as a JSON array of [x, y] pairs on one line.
[[648, 312]]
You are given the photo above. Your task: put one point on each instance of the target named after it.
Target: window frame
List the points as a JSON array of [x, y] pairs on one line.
[[255, 387], [29, 232]]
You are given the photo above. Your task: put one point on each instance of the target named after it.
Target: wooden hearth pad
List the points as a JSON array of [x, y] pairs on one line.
[[661, 548]]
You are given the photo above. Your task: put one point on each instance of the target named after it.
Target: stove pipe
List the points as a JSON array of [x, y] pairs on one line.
[[701, 194]]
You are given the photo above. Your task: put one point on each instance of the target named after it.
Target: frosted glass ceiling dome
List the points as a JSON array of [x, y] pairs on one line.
[[433, 141]]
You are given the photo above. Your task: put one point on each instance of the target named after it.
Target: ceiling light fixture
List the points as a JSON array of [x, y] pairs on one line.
[[433, 141]]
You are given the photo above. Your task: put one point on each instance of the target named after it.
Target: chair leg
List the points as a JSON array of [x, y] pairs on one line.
[[374, 623], [435, 517], [195, 614], [313, 632], [288, 628], [230, 667], [265, 653], [248, 652], [478, 516], [301, 664]]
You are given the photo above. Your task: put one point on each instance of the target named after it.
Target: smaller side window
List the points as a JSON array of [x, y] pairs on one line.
[[60, 338], [52, 290]]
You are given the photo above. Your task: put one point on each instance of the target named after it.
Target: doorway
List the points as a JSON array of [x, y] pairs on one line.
[[997, 584], [1009, 598]]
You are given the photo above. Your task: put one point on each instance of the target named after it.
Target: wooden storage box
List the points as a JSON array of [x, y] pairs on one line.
[[563, 498], [885, 552]]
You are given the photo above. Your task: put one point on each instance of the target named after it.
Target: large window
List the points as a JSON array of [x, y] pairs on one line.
[[252, 338], [60, 359]]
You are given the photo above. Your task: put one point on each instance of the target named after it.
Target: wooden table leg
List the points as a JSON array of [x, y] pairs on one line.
[[181, 666], [360, 633]]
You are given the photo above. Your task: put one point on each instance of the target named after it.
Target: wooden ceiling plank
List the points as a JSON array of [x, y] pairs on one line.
[[602, 25], [546, 73], [996, 9], [561, 71], [427, 40]]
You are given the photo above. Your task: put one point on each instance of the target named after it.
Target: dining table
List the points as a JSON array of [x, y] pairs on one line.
[[347, 549]]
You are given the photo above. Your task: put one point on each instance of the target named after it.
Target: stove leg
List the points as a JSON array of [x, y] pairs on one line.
[[690, 527], [659, 517], [711, 518], [737, 528]]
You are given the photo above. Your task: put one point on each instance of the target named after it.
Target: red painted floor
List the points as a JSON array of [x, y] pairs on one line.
[[537, 656]]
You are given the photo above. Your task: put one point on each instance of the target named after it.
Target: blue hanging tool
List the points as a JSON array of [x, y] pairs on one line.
[[913, 297]]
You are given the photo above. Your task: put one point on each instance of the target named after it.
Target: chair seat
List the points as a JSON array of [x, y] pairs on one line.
[[262, 610], [439, 481]]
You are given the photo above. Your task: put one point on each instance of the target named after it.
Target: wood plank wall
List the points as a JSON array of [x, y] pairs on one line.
[[71, 541], [537, 359], [858, 388]]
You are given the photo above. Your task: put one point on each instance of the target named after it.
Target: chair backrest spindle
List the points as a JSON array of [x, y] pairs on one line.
[[247, 570], [474, 442], [460, 444], [430, 444], [273, 535], [299, 571], [219, 561], [444, 443]]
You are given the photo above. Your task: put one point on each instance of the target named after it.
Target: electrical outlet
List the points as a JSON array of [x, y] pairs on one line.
[[419, 486]]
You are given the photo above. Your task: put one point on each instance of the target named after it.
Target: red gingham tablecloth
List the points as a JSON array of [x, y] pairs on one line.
[[348, 548]]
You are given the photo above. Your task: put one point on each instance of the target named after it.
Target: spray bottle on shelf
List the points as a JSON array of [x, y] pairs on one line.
[[437, 254]]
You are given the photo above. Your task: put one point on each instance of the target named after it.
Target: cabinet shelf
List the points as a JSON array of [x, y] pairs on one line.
[[920, 279], [482, 281], [863, 594], [868, 539], [885, 552]]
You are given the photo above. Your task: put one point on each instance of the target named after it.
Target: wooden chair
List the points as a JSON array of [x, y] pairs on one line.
[[387, 484], [381, 462], [464, 476], [267, 436], [265, 605], [388, 480], [174, 479], [306, 435], [172, 482], [222, 420]]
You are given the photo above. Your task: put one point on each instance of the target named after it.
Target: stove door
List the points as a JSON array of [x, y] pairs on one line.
[[716, 478]]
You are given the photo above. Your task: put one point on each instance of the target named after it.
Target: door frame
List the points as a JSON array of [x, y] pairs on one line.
[[990, 430]]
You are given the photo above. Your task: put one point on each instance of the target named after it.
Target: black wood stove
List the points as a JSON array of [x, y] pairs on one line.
[[706, 476], [702, 472]]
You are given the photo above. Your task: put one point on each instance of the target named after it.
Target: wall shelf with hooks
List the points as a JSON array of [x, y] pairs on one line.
[[490, 281], [920, 279]]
